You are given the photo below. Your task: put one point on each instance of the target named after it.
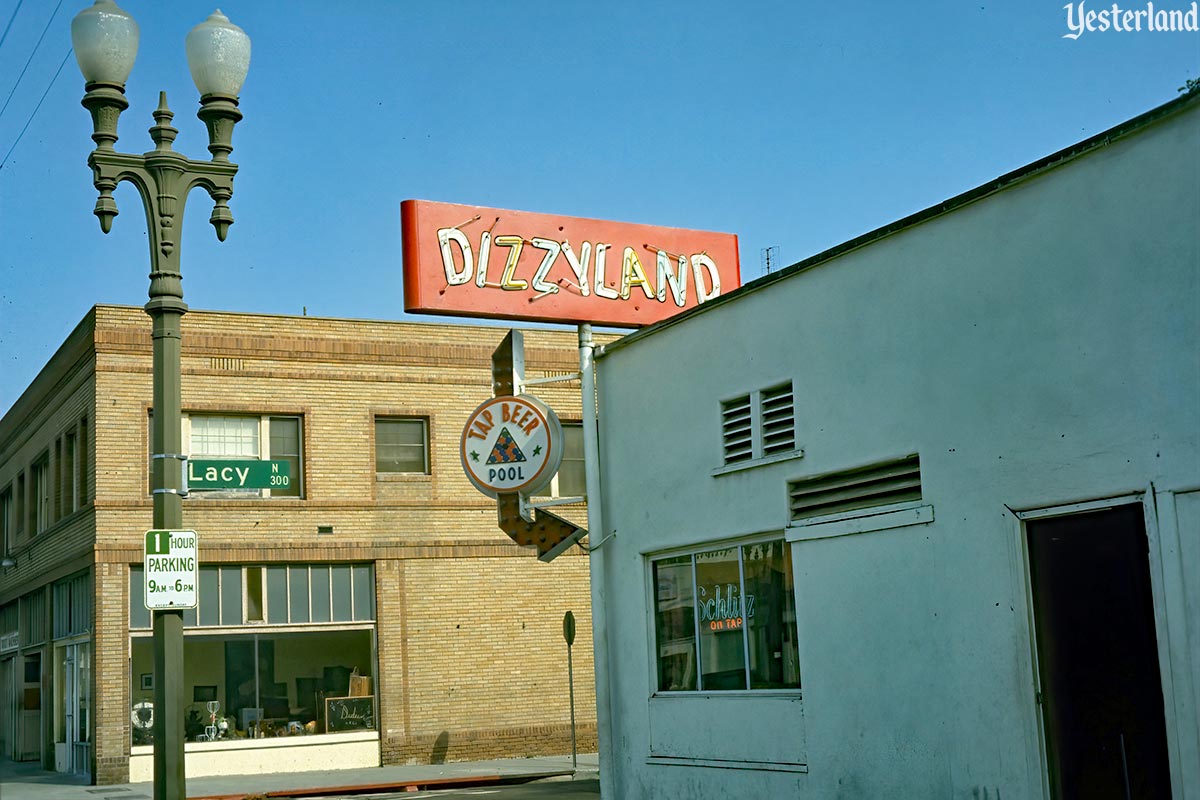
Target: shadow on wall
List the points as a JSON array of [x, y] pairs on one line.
[[440, 745]]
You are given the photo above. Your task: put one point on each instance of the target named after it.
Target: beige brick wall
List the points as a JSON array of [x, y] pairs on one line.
[[472, 663], [110, 659]]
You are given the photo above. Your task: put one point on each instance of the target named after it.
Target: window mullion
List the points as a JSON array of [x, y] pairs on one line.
[[742, 612], [264, 450]]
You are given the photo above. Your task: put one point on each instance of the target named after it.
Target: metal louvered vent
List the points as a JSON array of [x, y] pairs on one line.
[[778, 420], [865, 487], [223, 363], [737, 430]]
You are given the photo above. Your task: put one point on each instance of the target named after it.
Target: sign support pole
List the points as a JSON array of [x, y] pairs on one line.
[[591, 467], [569, 636], [166, 308]]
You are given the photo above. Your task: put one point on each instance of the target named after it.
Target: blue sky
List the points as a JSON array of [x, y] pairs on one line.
[[794, 125]]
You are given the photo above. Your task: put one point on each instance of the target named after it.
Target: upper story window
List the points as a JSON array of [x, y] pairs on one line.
[[81, 463], [401, 445], [69, 473], [40, 485], [725, 619], [6, 521], [570, 480], [18, 514], [238, 437], [758, 426], [285, 445]]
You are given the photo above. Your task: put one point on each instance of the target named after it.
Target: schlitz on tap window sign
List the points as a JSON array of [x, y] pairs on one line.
[[490, 262]]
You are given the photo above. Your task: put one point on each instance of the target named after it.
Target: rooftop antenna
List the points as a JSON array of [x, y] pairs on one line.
[[769, 257]]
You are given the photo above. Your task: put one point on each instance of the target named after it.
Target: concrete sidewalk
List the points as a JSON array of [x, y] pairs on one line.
[[27, 781]]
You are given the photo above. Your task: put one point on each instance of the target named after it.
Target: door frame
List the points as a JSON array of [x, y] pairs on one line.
[[68, 693], [1164, 616], [8, 705]]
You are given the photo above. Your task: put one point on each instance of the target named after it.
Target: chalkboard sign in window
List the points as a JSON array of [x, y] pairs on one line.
[[349, 714]]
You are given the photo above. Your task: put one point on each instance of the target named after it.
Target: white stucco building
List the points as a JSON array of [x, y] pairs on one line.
[[919, 516]]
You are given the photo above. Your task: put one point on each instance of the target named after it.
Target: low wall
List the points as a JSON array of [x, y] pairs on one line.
[[259, 756]]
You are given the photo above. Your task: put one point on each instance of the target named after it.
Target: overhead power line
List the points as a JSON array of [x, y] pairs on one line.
[[35, 109], [31, 55], [8, 27]]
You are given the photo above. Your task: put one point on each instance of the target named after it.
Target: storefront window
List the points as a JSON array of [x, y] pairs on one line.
[[294, 656], [725, 619], [675, 616], [252, 685], [276, 595], [773, 651]]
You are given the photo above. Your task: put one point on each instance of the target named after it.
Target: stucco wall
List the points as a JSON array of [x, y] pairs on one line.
[[1037, 347]]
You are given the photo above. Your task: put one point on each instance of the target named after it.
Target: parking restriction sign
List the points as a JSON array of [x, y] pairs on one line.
[[170, 569]]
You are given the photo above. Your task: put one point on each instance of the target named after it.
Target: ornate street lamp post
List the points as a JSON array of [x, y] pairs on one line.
[[105, 39]]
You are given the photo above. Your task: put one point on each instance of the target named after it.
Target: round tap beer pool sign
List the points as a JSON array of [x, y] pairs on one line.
[[511, 444]]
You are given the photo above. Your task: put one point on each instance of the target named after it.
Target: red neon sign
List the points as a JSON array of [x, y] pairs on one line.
[[488, 262]]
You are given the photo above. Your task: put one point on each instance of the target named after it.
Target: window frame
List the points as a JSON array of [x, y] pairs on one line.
[[552, 490], [229, 599], [83, 461], [19, 506], [41, 494], [296, 489], [426, 454], [775, 537], [265, 453], [69, 471], [7, 526]]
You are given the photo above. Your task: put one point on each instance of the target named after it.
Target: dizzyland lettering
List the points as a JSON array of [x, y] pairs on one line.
[[586, 268]]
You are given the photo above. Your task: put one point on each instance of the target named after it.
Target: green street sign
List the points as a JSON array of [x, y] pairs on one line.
[[226, 474]]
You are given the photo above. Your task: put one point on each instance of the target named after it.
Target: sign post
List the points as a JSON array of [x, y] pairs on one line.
[[569, 635]]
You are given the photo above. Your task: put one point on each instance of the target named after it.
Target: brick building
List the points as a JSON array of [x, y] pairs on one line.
[[378, 560]]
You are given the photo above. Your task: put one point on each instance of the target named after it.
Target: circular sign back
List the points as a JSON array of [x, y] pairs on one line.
[[569, 628], [511, 444]]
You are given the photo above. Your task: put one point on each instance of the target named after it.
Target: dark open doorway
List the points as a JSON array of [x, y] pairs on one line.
[[1102, 699]]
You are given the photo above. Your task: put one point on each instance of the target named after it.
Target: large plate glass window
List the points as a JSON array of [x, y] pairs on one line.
[[278, 649], [725, 619]]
